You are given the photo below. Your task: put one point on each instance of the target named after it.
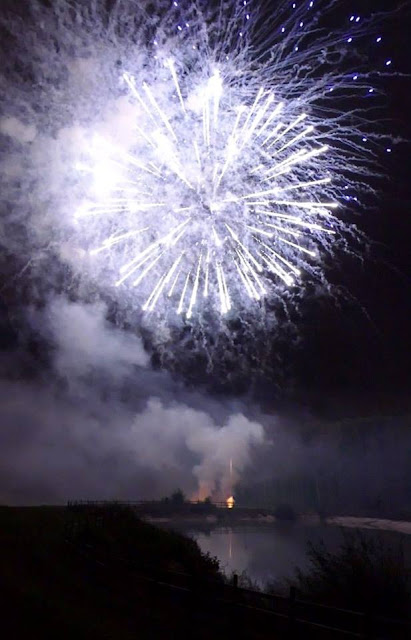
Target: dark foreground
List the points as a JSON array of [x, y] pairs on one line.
[[104, 574], [50, 587]]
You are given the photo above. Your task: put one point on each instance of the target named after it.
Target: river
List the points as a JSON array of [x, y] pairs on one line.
[[271, 552]]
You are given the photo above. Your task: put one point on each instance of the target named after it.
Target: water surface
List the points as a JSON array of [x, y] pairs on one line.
[[271, 552]]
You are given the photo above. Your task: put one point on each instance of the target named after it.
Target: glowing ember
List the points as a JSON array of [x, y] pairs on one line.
[[230, 502]]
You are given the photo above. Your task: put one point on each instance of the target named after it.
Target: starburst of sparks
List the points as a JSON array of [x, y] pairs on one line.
[[237, 213], [238, 162]]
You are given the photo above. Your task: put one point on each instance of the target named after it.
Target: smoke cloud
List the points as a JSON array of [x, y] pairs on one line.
[[86, 342], [100, 423]]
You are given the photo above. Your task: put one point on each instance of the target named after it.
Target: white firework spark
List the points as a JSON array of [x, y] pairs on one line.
[[233, 172], [226, 183], [216, 177]]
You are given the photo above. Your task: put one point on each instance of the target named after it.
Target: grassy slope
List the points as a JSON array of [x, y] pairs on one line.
[[46, 590]]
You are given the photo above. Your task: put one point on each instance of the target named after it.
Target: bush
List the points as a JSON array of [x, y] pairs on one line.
[[363, 575], [177, 498], [114, 531]]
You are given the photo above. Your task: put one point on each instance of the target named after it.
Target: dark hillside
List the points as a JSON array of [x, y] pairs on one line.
[[66, 575]]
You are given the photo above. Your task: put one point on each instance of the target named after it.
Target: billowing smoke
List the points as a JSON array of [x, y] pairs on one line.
[[161, 431], [217, 448], [99, 423], [85, 342]]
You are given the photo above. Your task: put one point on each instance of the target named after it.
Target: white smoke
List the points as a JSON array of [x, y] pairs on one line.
[[85, 341], [161, 430], [101, 424], [17, 130]]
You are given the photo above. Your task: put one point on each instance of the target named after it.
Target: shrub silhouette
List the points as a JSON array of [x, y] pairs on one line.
[[177, 498], [114, 531], [365, 574]]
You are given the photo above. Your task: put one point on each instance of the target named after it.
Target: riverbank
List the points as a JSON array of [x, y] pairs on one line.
[[211, 521], [400, 526]]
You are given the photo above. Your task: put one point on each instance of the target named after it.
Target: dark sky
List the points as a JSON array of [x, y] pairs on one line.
[[344, 351]]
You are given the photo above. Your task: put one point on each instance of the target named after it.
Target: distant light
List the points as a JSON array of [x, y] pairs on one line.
[[355, 77], [295, 48], [352, 18], [247, 16], [388, 63], [187, 25], [349, 39], [370, 90], [294, 5], [311, 4], [241, 34], [379, 39], [175, 4], [389, 150], [364, 139], [283, 30], [179, 28], [301, 24], [357, 19], [230, 502]]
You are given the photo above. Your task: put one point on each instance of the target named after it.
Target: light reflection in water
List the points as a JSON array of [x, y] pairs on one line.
[[272, 552]]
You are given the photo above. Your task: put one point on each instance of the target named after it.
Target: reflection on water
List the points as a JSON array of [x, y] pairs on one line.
[[272, 552]]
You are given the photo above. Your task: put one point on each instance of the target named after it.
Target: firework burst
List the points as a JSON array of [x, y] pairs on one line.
[[217, 147], [211, 201], [229, 187]]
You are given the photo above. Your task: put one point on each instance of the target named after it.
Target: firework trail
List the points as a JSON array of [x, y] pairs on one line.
[[206, 151]]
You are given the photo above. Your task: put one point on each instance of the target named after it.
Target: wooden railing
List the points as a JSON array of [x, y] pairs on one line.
[[143, 503]]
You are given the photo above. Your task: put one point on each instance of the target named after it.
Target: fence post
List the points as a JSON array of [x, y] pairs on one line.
[[367, 626], [193, 592], [291, 611]]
